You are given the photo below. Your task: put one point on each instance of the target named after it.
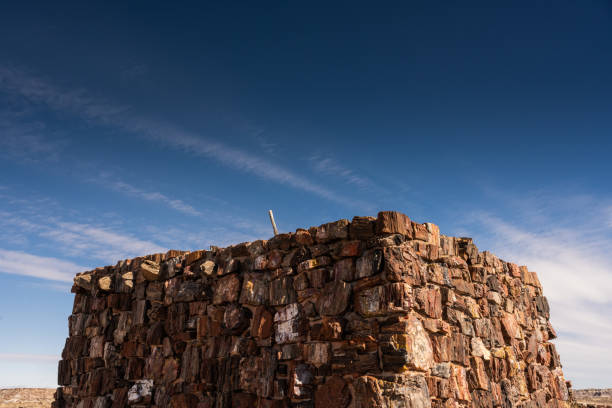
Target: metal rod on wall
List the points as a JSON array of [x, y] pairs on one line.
[[272, 221]]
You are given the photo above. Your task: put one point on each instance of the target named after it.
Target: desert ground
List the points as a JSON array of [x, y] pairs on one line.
[[42, 397], [594, 397], [26, 397]]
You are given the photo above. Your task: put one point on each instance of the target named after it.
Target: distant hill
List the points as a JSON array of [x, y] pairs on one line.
[[26, 397], [593, 397], [42, 397]]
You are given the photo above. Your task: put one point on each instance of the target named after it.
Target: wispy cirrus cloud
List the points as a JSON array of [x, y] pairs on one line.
[[171, 136], [23, 139], [29, 357], [154, 196], [79, 102], [566, 241], [63, 287], [331, 167], [558, 252], [25, 264], [97, 241], [234, 225], [187, 239], [40, 91], [31, 226], [74, 239]]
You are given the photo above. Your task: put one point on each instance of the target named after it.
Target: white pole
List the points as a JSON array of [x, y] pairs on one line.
[[272, 221]]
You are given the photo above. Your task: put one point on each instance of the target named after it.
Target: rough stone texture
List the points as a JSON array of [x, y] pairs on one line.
[[373, 313]]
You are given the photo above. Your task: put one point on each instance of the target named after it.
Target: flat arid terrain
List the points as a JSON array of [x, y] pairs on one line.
[[26, 397], [594, 397], [42, 397]]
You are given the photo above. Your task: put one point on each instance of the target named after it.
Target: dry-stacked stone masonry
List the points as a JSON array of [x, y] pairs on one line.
[[376, 312]]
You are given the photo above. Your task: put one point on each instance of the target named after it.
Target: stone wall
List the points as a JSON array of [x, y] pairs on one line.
[[376, 312]]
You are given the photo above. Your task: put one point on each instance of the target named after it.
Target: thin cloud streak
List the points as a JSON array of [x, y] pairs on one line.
[[330, 167], [572, 265], [128, 189], [21, 263], [231, 157], [183, 207], [40, 91], [31, 220], [22, 137], [99, 242], [80, 103], [548, 253], [81, 239], [23, 141], [54, 286], [29, 357]]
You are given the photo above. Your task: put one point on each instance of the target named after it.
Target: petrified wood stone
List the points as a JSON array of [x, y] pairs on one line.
[[334, 298], [334, 393], [384, 299], [149, 270]]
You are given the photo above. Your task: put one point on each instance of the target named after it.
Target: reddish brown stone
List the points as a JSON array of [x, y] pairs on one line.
[[289, 324], [459, 348], [408, 391], [227, 289], [350, 248], [464, 287], [537, 376], [194, 256], [96, 348], [282, 291], [510, 327], [333, 230], [430, 302], [318, 277], [261, 323], [183, 401], [410, 350], [331, 329], [420, 231], [382, 300], [64, 372], [242, 400], [303, 237], [362, 227], [401, 264], [344, 270], [134, 369], [368, 393], [460, 384], [370, 263], [334, 298], [275, 258], [255, 374], [477, 376], [236, 319], [149, 270], [301, 380], [334, 393], [391, 222], [170, 370], [318, 354], [119, 397], [255, 290]]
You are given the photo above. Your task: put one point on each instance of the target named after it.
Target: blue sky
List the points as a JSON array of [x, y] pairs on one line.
[[131, 129]]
